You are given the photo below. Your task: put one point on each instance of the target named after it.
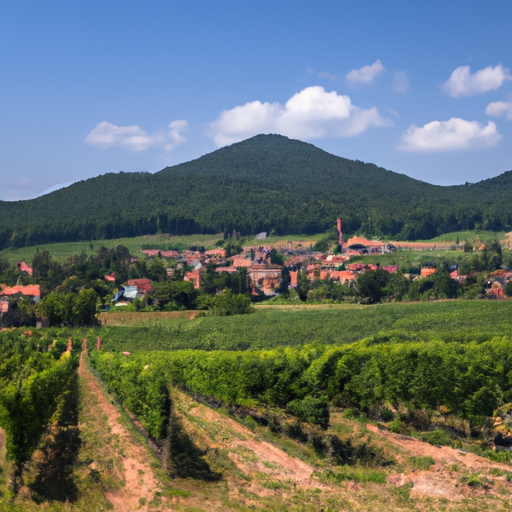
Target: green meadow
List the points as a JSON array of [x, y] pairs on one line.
[[276, 326]]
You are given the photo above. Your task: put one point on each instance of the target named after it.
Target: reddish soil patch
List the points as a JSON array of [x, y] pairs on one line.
[[140, 481]]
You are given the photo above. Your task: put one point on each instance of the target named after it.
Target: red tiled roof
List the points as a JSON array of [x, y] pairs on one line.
[[141, 284], [32, 290], [357, 240]]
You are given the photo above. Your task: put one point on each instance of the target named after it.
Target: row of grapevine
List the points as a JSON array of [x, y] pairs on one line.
[[470, 380], [39, 393]]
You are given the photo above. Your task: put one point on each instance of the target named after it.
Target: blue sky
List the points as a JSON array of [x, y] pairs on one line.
[[421, 88]]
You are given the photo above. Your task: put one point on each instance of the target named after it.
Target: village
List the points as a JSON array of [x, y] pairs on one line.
[[270, 269]]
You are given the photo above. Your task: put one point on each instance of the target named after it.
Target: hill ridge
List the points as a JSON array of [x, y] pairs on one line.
[[265, 183]]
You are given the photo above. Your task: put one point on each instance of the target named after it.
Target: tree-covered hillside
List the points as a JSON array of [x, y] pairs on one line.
[[265, 183]]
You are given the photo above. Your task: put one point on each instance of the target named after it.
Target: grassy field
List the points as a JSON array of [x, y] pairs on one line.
[[408, 258], [276, 326], [487, 237], [64, 250]]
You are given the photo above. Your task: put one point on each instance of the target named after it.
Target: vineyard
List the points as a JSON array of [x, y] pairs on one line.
[[271, 327], [250, 411], [39, 412], [469, 380]]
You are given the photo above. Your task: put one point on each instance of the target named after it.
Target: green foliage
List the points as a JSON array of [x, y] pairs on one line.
[[507, 289], [69, 308], [174, 295], [38, 412], [313, 410], [276, 258], [461, 321], [227, 304], [470, 379], [440, 437], [422, 463], [303, 285], [371, 285]]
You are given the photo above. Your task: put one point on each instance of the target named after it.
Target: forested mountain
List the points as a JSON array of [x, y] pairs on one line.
[[268, 182]]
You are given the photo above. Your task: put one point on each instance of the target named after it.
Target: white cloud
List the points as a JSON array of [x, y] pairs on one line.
[[365, 75], [310, 114], [499, 108], [107, 135], [175, 136], [454, 134], [326, 74], [400, 82], [463, 83]]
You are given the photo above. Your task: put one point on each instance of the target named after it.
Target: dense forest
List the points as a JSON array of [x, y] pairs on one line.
[[266, 183]]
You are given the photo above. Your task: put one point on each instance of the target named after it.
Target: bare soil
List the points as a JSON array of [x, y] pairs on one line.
[[140, 482], [443, 480]]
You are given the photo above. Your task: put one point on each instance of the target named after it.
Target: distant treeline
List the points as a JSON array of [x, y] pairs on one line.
[[267, 183]]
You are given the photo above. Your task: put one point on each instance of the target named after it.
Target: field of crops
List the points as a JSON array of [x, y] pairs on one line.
[[39, 412], [271, 327]]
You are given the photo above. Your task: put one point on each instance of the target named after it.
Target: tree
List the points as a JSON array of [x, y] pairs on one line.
[[371, 285], [276, 258], [84, 308], [507, 289], [227, 304], [303, 285], [174, 295]]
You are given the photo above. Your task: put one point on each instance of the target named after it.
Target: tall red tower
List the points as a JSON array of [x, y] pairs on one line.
[[340, 236]]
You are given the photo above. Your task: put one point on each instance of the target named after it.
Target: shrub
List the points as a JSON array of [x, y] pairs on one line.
[[314, 410], [437, 437]]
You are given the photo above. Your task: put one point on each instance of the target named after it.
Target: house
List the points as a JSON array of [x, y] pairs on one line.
[[143, 285], [496, 290], [357, 243], [426, 272], [457, 277], [217, 253], [4, 305], [344, 277], [154, 253], [111, 277], [227, 270], [32, 290], [265, 277], [194, 277], [241, 262]]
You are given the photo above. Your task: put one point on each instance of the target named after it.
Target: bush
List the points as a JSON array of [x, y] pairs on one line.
[[314, 410], [437, 437], [386, 414]]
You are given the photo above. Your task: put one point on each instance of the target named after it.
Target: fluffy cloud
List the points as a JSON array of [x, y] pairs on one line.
[[463, 83], [365, 75], [107, 135], [499, 108], [449, 135], [310, 114], [400, 82]]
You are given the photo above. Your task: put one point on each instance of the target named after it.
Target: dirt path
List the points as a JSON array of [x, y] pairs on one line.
[[443, 454], [140, 482], [443, 479], [250, 454]]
